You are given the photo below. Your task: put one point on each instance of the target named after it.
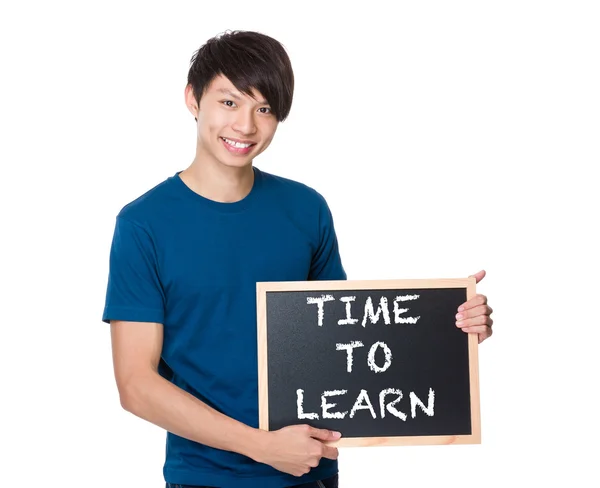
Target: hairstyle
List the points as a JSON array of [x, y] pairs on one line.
[[250, 60]]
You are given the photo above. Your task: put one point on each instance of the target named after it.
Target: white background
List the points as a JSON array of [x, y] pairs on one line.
[[446, 136]]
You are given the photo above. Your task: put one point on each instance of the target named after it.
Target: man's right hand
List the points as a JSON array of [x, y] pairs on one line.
[[298, 448]]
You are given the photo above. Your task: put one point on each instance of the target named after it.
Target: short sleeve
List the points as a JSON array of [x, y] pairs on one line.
[[326, 262], [134, 291]]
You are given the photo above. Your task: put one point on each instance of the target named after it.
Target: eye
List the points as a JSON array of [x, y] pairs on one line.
[[228, 103], [265, 110]]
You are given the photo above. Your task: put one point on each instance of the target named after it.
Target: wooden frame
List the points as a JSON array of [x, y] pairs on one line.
[[469, 283]]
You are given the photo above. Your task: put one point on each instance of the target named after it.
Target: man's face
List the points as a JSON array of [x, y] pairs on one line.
[[233, 128]]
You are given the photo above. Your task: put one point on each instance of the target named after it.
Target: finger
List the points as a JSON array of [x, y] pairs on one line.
[[476, 301], [478, 276], [485, 320], [474, 312], [324, 434], [476, 329], [330, 452]]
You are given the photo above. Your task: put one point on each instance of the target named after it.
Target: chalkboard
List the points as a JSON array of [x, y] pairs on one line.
[[382, 361]]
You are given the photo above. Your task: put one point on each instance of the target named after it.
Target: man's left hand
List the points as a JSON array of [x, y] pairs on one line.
[[474, 315]]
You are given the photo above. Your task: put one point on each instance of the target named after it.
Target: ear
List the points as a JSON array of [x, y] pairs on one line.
[[190, 101]]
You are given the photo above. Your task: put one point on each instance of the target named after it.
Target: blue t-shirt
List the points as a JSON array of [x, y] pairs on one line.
[[192, 264]]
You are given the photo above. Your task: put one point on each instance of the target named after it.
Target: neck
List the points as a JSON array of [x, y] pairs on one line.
[[218, 182]]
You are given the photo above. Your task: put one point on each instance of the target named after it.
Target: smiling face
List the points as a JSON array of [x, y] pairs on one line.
[[233, 128]]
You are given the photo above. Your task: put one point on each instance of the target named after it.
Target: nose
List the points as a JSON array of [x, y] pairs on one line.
[[244, 122]]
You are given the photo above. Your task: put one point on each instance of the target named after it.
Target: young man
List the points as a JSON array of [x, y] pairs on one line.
[[184, 263]]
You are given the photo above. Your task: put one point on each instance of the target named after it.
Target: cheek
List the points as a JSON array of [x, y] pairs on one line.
[[266, 143], [268, 131], [212, 124]]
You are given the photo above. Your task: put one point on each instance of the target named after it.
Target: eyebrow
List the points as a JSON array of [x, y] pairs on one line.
[[237, 97]]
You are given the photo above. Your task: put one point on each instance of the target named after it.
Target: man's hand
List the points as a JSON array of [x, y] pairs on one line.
[[474, 315], [298, 448]]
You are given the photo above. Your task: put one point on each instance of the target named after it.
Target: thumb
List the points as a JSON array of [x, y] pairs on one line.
[[478, 276], [324, 434]]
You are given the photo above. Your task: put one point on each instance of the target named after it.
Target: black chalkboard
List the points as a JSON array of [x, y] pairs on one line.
[[380, 361]]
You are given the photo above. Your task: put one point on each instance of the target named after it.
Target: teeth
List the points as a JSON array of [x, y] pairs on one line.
[[236, 144]]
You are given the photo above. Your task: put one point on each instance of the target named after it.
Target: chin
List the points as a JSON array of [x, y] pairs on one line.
[[237, 162]]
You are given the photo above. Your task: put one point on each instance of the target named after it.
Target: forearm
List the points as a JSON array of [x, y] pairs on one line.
[[158, 401]]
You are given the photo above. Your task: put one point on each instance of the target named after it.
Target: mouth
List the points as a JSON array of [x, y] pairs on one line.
[[237, 147]]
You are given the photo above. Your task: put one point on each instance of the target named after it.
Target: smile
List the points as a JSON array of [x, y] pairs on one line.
[[236, 144], [237, 147]]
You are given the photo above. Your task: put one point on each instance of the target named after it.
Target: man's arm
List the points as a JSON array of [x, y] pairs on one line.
[[136, 353]]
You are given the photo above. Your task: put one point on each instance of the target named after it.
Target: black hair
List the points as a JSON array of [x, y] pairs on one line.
[[250, 60]]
